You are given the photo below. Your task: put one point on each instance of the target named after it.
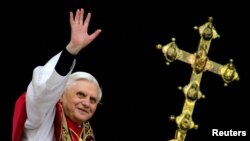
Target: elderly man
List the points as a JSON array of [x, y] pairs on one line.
[[58, 103]]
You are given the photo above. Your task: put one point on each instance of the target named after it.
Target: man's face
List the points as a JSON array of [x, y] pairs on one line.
[[80, 100]]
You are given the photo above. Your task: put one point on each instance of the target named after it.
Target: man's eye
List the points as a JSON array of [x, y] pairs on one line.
[[81, 95], [93, 100]]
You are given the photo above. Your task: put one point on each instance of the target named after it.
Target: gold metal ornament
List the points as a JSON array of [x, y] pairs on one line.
[[200, 63]]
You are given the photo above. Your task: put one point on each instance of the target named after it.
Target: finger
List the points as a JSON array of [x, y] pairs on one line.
[[86, 22], [77, 16], [71, 19], [81, 16], [95, 34]]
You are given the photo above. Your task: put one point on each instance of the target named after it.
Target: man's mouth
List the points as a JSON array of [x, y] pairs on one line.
[[83, 110]]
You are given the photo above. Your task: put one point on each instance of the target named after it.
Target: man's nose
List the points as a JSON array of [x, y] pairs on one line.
[[86, 102]]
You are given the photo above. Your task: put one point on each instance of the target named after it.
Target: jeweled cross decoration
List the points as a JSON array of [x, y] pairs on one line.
[[200, 63]]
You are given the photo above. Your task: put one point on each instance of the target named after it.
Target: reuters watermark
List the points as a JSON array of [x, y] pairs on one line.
[[217, 132]]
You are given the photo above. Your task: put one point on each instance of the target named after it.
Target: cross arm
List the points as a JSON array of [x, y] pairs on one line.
[[172, 52], [228, 72]]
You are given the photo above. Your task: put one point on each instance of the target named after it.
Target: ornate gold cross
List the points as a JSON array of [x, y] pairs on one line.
[[200, 63]]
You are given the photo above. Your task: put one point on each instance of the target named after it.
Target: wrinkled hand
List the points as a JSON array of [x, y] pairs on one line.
[[79, 32]]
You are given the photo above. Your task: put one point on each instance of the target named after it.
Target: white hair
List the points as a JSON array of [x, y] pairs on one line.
[[84, 75]]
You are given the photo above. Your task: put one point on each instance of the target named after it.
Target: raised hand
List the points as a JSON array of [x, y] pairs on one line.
[[79, 32]]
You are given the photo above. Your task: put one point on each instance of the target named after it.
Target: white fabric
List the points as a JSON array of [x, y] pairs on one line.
[[43, 93]]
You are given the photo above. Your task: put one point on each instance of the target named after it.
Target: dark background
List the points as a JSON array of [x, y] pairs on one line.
[[139, 90]]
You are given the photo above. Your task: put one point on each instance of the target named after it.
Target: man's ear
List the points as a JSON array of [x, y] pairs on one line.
[[61, 99]]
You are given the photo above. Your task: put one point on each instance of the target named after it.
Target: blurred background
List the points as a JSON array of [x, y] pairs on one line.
[[139, 91]]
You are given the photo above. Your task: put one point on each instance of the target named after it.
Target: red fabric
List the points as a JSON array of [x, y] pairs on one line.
[[77, 130], [58, 122], [19, 117]]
